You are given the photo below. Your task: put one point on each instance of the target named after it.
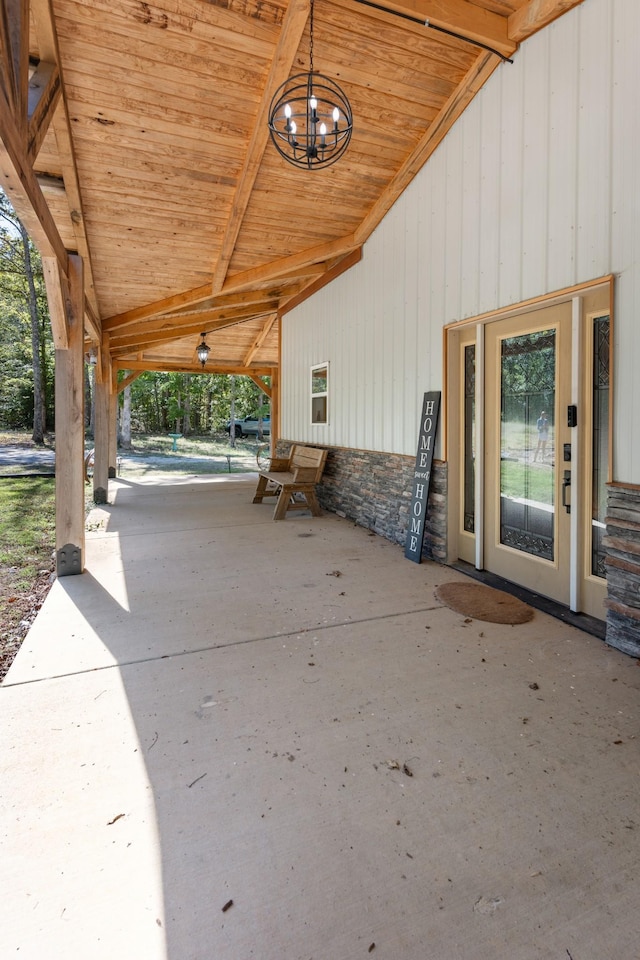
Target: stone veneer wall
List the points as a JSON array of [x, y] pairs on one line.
[[374, 490], [623, 569]]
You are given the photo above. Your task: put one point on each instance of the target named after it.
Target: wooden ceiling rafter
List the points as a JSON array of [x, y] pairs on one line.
[[142, 341], [292, 28], [260, 339], [169, 366]]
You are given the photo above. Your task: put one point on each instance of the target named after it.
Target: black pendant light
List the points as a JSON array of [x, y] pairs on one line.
[[310, 119], [202, 350]]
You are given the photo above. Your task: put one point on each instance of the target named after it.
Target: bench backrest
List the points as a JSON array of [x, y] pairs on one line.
[[307, 462]]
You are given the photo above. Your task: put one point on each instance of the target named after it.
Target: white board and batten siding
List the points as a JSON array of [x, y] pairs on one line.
[[535, 189]]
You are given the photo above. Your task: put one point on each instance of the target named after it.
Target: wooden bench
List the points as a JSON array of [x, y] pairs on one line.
[[287, 476]]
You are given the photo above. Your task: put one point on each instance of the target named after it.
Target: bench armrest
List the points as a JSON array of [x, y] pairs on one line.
[[305, 474], [279, 463]]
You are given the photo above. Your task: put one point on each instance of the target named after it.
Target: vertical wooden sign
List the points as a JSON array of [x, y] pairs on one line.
[[422, 476]]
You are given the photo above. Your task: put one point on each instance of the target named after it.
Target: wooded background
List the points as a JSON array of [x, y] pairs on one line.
[[154, 403]]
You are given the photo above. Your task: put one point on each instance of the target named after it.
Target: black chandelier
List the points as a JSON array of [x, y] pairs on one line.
[[202, 350], [310, 118]]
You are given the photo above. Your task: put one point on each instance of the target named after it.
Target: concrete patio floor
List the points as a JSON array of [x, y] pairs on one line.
[[282, 720]]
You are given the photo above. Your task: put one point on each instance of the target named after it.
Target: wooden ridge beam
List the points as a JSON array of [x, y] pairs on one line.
[[535, 15], [292, 29]]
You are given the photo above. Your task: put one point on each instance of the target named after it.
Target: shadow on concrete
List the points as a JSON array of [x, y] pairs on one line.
[[280, 719]]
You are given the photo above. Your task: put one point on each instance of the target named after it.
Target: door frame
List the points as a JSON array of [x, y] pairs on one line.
[[582, 298]]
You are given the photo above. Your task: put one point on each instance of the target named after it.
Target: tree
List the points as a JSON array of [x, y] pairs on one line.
[[25, 329]]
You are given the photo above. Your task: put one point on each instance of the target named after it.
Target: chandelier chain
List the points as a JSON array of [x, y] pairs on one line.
[[311, 38]]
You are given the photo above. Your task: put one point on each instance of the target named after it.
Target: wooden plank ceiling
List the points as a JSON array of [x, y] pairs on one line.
[[154, 162]]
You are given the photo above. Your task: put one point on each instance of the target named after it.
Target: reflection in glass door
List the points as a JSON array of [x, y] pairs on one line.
[[527, 384], [600, 443], [530, 402], [527, 442]]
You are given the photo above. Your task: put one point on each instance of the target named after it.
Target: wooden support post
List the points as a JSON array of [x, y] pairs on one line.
[[113, 434], [101, 454], [69, 395], [275, 410]]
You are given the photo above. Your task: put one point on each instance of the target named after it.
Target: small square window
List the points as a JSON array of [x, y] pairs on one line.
[[320, 393]]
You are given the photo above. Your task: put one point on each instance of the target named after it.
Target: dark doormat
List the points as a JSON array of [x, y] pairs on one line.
[[483, 603]]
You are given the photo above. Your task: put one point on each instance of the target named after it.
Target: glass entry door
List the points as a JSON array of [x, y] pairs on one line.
[[527, 479]]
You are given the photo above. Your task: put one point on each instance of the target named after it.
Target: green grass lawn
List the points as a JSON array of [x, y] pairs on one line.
[[194, 455], [27, 516], [27, 538], [532, 481]]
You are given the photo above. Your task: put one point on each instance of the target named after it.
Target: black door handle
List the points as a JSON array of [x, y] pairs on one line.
[[566, 483]]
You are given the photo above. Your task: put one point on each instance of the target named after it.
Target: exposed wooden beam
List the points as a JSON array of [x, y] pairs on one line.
[[292, 28], [535, 15], [20, 185], [123, 384], [260, 339], [49, 51], [44, 94], [142, 341], [91, 322], [247, 299], [158, 307], [103, 367], [14, 55], [285, 267], [170, 366], [476, 77], [266, 389], [55, 284], [461, 17], [180, 304], [69, 393], [204, 322], [344, 264]]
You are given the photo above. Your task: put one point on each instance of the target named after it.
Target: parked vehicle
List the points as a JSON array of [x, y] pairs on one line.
[[249, 427]]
